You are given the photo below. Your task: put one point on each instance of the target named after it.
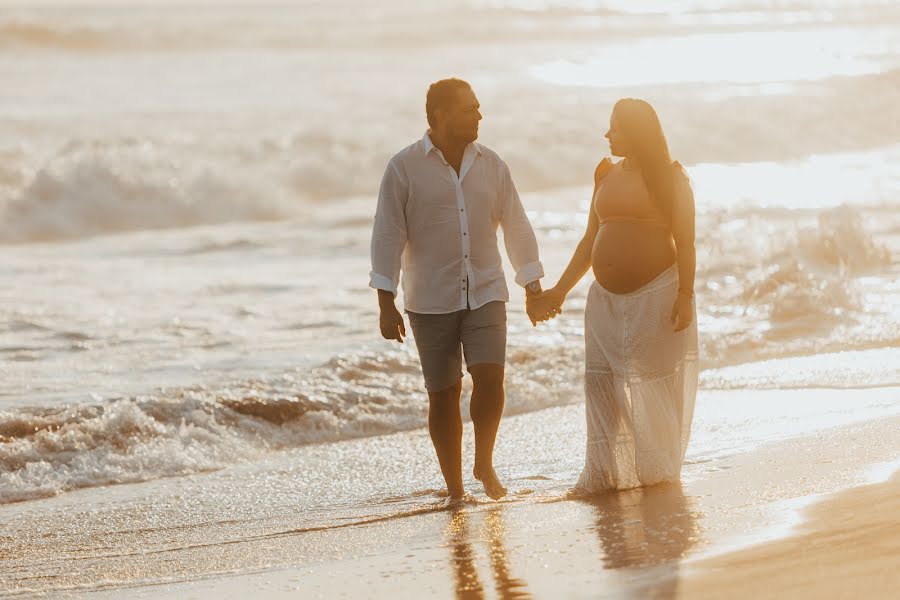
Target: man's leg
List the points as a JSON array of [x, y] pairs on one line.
[[445, 427], [483, 336], [437, 339], [486, 408]]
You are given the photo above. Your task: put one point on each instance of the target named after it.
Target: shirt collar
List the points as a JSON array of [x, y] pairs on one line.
[[428, 145]]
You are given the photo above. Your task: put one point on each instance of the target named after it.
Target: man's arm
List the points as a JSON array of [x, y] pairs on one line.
[[518, 235], [520, 241], [388, 241], [390, 321]]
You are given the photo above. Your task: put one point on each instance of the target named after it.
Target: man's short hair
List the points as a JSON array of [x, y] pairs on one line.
[[442, 95]]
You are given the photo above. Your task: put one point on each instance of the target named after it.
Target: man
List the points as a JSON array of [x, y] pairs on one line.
[[441, 202]]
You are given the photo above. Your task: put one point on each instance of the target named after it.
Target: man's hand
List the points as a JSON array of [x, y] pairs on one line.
[[389, 319], [543, 306]]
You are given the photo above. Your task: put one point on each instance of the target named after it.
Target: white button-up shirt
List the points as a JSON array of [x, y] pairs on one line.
[[440, 230]]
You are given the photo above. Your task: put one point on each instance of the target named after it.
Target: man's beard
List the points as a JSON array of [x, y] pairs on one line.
[[465, 137]]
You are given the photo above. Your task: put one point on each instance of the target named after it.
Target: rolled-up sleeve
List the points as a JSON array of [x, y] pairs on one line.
[[389, 230], [521, 244]]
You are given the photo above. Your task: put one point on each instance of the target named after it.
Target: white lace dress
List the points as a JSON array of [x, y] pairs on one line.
[[640, 386]]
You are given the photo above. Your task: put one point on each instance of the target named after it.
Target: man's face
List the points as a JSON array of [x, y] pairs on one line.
[[618, 145], [460, 121]]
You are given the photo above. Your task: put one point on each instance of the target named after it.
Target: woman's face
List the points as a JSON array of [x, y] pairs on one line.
[[618, 145]]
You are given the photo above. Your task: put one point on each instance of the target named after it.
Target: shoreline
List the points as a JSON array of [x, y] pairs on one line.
[[636, 543], [846, 547]]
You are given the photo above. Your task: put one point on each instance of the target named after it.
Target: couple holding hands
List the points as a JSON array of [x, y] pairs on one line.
[[441, 202]]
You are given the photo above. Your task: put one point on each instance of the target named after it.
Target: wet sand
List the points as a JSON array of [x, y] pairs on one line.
[[848, 548], [741, 522]]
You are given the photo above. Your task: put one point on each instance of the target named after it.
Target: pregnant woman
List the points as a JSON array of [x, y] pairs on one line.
[[640, 322]]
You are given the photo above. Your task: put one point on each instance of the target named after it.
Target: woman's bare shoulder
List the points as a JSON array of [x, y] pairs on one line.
[[680, 174], [603, 168]]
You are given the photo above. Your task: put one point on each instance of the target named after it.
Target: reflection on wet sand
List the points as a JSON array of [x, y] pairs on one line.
[[643, 533], [647, 528], [507, 586], [462, 557]]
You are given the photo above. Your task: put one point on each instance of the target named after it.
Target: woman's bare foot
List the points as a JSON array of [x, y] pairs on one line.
[[492, 486]]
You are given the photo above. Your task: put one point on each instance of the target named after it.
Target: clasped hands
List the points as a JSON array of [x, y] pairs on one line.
[[543, 306]]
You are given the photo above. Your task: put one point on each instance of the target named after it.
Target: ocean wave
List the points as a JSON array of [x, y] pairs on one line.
[[115, 32], [780, 283], [811, 277], [46, 451], [110, 29], [33, 33], [17, 325], [115, 27], [89, 188], [93, 186], [855, 369], [224, 246]]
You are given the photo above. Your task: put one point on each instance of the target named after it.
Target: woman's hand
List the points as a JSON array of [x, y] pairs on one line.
[[546, 305], [682, 311]]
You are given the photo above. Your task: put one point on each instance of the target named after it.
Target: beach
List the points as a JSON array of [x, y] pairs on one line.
[[848, 549], [759, 524], [195, 400]]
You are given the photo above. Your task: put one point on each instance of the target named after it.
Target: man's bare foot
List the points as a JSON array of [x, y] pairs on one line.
[[460, 502], [492, 486], [452, 494], [456, 494]]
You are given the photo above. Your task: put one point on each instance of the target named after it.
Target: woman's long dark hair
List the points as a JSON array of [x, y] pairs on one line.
[[646, 141]]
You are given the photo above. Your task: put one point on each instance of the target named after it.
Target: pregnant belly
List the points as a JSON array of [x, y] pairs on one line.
[[627, 256]]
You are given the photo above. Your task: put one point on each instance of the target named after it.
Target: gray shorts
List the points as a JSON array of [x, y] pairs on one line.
[[481, 333]]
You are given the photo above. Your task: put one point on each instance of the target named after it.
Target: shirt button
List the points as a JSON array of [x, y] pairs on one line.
[[464, 233], [462, 210]]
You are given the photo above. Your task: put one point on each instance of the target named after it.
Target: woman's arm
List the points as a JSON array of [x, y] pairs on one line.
[[683, 230], [581, 258], [683, 217], [549, 303]]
